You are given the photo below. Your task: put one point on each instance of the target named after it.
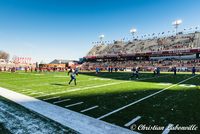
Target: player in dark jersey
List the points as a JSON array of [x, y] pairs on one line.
[[154, 71], [76, 71], [135, 73], [70, 71], [73, 77], [158, 71], [193, 70], [174, 70]]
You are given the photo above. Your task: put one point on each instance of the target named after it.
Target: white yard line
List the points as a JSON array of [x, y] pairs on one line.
[[187, 85], [61, 101], [135, 102], [165, 84], [89, 109], [52, 98], [78, 103], [132, 121], [78, 89], [79, 122], [26, 90], [33, 93], [29, 91], [167, 129], [97, 86], [183, 85], [61, 91]]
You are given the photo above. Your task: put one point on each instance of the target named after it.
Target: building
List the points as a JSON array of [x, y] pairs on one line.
[[60, 63]]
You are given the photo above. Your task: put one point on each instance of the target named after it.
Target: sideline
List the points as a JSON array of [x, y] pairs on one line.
[[76, 121]]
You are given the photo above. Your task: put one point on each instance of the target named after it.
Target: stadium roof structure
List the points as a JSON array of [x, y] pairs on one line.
[[61, 61]]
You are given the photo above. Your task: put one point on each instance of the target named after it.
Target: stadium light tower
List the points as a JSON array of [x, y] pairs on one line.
[[176, 24], [101, 38], [133, 31]]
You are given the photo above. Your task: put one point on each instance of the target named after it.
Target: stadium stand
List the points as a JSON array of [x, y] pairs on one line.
[[181, 51]]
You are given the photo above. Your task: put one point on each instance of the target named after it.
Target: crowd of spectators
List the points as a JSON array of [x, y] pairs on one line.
[[187, 41], [165, 65], [32, 69]]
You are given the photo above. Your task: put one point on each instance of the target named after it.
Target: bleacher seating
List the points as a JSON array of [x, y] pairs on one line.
[[182, 41]]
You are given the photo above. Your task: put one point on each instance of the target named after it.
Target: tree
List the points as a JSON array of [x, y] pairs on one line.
[[4, 55]]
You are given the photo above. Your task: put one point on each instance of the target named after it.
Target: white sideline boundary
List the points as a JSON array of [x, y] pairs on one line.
[[132, 121], [89, 109], [79, 122], [166, 131], [71, 105], [135, 102]]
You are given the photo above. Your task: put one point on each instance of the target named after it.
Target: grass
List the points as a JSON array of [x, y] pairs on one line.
[[177, 105]]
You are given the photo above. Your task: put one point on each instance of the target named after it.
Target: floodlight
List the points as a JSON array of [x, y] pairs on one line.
[[176, 23]]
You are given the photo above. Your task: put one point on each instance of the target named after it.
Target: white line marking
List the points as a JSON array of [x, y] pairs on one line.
[[96, 86], [192, 86], [135, 102], [165, 84], [74, 104], [33, 93], [61, 101], [186, 85], [52, 98], [132, 121], [167, 129], [89, 109], [29, 91], [78, 89], [41, 92], [26, 90]]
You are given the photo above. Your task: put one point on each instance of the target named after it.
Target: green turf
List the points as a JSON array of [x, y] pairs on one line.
[[176, 105]]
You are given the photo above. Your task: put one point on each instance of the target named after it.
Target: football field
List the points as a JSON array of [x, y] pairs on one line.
[[137, 104]]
